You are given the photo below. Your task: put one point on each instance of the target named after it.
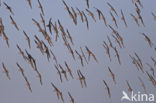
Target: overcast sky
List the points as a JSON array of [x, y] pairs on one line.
[[16, 91]]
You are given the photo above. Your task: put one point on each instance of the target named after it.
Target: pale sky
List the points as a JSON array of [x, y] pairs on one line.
[[16, 91]]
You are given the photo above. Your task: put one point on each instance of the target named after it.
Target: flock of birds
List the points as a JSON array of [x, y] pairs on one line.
[[83, 54]]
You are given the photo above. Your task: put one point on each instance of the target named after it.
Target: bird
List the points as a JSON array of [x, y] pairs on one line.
[[9, 8], [21, 52], [142, 83], [154, 16], [63, 72], [117, 55], [114, 20], [50, 26], [80, 57], [59, 73], [83, 55], [87, 2], [123, 18], [154, 61], [58, 92], [105, 45], [27, 38], [1, 27], [86, 20], [40, 6], [29, 2], [20, 69], [68, 69], [112, 8], [107, 88], [135, 19], [82, 79], [90, 54], [91, 14], [112, 75], [6, 39], [14, 23], [28, 84], [80, 13], [70, 38], [129, 87], [71, 98], [147, 39], [6, 71]]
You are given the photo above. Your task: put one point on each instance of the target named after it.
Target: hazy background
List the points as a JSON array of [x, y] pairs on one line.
[[16, 91]]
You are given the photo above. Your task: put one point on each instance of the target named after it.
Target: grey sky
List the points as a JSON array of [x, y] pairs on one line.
[[16, 91]]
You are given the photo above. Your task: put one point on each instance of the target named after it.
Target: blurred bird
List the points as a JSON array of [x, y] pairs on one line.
[[6, 39], [123, 18], [63, 72], [135, 19], [58, 72], [40, 6], [112, 8], [86, 20], [9, 8], [129, 87], [112, 75], [91, 14], [80, 57], [14, 23], [107, 88], [90, 54], [71, 98], [27, 38], [68, 69], [6, 71], [29, 2], [147, 39]]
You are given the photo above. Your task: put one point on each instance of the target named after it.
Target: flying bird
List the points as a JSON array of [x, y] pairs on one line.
[[27, 38], [6, 71], [107, 88], [40, 6], [9, 8], [123, 18], [14, 23], [29, 2]]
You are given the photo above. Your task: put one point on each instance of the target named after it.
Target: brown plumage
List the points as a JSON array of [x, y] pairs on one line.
[[27, 38], [83, 55], [112, 75], [135, 19], [123, 18], [9, 8], [29, 2], [90, 54], [129, 87], [147, 39], [80, 57], [63, 72], [71, 98], [14, 23], [6, 39], [91, 14], [68, 69], [40, 6], [107, 88], [112, 8], [59, 73], [6, 71]]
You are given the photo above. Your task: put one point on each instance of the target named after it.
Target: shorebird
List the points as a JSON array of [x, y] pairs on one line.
[[6, 71], [9, 8], [107, 88]]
